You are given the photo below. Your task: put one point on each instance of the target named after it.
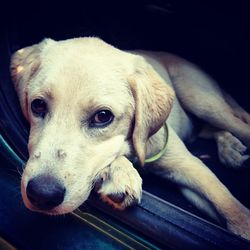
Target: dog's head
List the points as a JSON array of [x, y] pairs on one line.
[[87, 103]]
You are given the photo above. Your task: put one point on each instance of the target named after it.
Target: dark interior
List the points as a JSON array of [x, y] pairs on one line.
[[212, 34]]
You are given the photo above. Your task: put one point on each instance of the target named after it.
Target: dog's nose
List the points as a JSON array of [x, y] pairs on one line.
[[45, 192]]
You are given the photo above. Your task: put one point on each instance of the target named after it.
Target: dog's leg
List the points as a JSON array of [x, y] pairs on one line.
[[202, 204], [238, 110], [200, 95], [179, 165], [119, 184]]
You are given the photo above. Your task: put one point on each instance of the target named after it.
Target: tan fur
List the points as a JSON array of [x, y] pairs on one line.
[[153, 100], [23, 67], [77, 77]]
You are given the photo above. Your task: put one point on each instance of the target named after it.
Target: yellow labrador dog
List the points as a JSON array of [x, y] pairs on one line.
[[93, 108]]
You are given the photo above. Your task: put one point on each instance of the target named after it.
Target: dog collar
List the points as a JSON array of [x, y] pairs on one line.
[[158, 155]]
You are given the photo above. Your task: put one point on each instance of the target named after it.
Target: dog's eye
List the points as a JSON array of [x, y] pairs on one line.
[[101, 118], [39, 107]]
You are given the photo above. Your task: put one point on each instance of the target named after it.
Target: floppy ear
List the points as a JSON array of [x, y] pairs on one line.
[[24, 65], [153, 103]]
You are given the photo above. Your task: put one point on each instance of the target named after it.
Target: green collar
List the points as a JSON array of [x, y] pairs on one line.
[[158, 155]]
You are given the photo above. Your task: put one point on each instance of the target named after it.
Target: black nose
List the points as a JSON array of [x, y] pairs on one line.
[[45, 192]]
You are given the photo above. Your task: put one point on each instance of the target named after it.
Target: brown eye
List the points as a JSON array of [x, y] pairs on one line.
[[39, 107], [101, 118]]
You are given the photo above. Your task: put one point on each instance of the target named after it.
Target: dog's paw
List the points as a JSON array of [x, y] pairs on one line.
[[241, 227], [120, 185], [231, 151]]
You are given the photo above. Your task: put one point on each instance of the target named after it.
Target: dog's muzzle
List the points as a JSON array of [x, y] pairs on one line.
[[45, 192]]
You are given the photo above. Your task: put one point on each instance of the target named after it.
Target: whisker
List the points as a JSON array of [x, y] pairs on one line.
[[19, 171]]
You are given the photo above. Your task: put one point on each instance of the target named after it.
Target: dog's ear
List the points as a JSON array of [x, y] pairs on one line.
[[153, 103], [25, 64]]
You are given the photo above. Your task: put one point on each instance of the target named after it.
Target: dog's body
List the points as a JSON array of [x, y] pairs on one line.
[[92, 108]]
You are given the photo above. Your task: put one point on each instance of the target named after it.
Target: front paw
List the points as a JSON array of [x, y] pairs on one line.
[[120, 185], [243, 230], [241, 225]]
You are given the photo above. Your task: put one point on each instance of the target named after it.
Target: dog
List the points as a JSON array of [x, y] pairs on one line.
[[94, 110]]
